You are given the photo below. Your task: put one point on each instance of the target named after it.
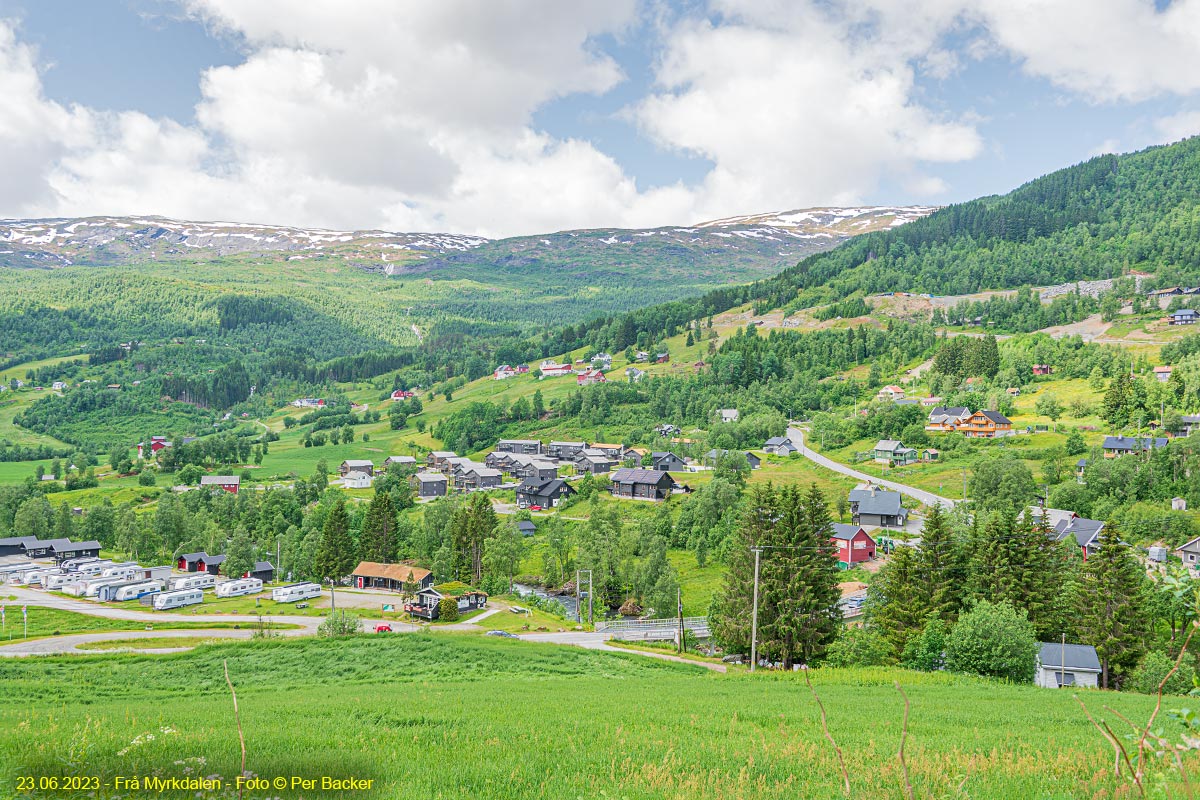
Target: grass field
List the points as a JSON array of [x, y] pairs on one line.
[[463, 716], [55, 622]]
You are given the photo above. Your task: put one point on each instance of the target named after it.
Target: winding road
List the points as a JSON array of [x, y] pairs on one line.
[[920, 495]]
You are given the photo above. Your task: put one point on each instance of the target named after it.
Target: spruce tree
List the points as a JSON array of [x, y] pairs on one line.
[[1109, 615], [378, 540], [731, 609], [939, 564], [895, 599], [334, 558], [239, 558]]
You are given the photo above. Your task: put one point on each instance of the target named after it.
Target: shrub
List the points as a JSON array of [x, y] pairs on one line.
[[927, 650], [993, 640], [859, 647], [340, 624], [448, 609], [1154, 666], [146, 477]]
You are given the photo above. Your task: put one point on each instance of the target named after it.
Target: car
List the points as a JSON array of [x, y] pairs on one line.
[[383, 628], [504, 634], [535, 508]]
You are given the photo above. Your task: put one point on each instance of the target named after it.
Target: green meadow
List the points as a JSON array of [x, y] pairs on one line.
[[445, 716]]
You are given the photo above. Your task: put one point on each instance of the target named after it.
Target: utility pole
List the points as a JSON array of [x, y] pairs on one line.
[[679, 596], [1062, 661], [754, 618]]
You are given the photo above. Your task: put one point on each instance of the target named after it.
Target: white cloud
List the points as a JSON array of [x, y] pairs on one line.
[[414, 115]]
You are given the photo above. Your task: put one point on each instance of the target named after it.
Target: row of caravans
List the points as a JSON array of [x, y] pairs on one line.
[[177, 598]]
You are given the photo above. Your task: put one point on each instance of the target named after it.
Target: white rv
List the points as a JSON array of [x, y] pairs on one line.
[[295, 591], [199, 580], [59, 581], [239, 587], [125, 572], [183, 597], [36, 577], [94, 567], [91, 588], [12, 572], [133, 591], [74, 563]]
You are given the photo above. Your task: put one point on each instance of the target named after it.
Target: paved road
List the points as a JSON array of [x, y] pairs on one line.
[[599, 641], [922, 496], [73, 642]]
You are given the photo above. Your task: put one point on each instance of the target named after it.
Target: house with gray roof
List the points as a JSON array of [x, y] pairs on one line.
[[1120, 445], [878, 507], [779, 446], [1068, 665], [892, 451]]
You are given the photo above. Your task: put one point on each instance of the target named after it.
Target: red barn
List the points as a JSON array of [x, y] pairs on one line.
[[229, 483], [1042, 369], [588, 377], [402, 394], [854, 545]]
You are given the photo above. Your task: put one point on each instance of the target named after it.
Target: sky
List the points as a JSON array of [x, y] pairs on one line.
[[513, 117]]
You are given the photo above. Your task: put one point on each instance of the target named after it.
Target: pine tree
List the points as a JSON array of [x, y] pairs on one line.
[[939, 564], [895, 599], [1109, 616], [731, 609], [378, 539], [334, 558], [473, 525]]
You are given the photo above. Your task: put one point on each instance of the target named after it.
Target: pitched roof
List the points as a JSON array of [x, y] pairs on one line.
[[1079, 657], [996, 417], [1131, 443], [546, 488], [358, 462], [956, 412], [219, 480], [843, 531], [891, 445], [775, 441], [397, 572], [876, 502], [526, 525], [207, 559], [644, 476], [263, 566], [67, 546], [190, 557], [431, 477], [1085, 531]]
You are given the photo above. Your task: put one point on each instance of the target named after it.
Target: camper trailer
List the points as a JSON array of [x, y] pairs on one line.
[[135, 590], [176, 599], [60, 581], [93, 567], [35, 577], [92, 587], [239, 587], [295, 591], [125, 572], [199, 580], [12, 572], [75, 563], [157, 573]]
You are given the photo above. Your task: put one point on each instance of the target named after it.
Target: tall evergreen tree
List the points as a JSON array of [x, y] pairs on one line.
[[378, 540], [731, 609], [896, 599], [239, 557], [334, 558], [473, 525], [1110, 615], [939, 563]]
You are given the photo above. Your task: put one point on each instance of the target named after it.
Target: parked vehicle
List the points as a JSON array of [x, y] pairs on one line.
[[72, 564], [136, 590], [503, 634], [175, 599], [58, 582], [295, 591], [385, 628], [94, 567], [123, 571], [239, 587], [197, 581]]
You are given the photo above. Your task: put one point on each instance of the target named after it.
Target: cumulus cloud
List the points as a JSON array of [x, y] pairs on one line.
[[413, 115]]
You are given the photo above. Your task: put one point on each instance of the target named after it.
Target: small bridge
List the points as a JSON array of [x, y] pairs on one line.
[[653, 630]]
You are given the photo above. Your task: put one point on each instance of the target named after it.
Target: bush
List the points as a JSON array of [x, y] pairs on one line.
[[993, 640], [1154, 666], [340, 624], [448, 609], [146, 477], [927, 650], [859, 647]]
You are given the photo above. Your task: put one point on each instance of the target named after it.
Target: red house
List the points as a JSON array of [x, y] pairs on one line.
[[854, 545], [588, 377], [230, 483], [1042, 369], [402, 394]]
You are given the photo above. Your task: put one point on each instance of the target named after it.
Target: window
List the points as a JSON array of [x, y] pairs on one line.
[[860, 545], [1065, 678]]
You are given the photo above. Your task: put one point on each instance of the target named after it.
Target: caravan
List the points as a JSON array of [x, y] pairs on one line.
[[91, 587], [75, 563], [295, 591], [183, 597], [133, 590], [127, 571], [239, 587], [94, 567], [35, 577], [197, 581], [60, 581]]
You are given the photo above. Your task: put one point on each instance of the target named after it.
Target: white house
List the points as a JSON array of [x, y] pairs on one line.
[[357, 480], [890, 393], [1061, 665], [728, 414]]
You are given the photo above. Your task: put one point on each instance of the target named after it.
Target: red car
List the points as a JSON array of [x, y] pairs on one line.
[[383, 628], [535, 508]]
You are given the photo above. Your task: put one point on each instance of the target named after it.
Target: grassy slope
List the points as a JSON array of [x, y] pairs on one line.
[[452, 716]]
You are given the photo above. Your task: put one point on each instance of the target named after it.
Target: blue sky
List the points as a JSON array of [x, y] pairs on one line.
[[533, 116]]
